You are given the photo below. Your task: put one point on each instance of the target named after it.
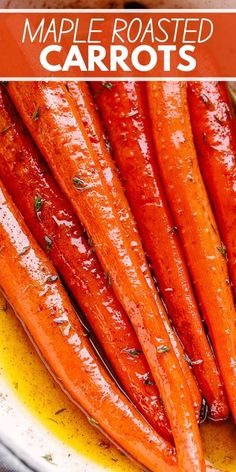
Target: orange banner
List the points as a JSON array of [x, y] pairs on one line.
[[117, 43]]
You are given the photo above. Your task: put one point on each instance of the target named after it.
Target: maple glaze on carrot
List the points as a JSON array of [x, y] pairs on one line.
[[214, 130], [61, 137], [32, 287], [84, 101], [90, 118], [124, 110], [51, 220], [189, 202]]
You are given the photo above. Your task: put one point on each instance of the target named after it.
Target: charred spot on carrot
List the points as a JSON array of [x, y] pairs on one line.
[[173, 230]]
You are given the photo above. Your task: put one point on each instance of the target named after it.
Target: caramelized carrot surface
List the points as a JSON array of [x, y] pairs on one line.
[[85, 104], [61, 136], [214, 130], [124, 110], [189, 202], [90, 118], [32, 287], [51, 220]]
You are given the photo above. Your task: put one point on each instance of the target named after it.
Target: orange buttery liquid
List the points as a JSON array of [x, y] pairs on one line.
[[38, 391]]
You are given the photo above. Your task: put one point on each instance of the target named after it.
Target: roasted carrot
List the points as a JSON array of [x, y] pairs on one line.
[[32, 287], [214, 131], [50, 218], [196, 225], [84, 101], [61, 137], [90, 118], [124, 110]]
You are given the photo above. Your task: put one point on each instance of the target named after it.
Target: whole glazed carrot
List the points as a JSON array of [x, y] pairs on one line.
[[214, 131], [90, 118], [124, 110], [61, 136], [193, 215], [32, 287], [84, 101], [52, 222]]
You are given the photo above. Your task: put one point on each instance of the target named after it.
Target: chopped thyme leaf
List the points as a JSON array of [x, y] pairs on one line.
[[205, 98], [147, 380], [90, 242], [78, 183], [107, 85], [48, 458], [36, 114], [188, 359], [48, 243], [52, 419], [52, 278], [108, 277], [38, 203], [4, 130], [133, 352], [222, 250], [92, 421], [81, 185], [192, 363], [24, 250], [107, 143], [219, 120], [58, 412], [162, 349], [229, 112]]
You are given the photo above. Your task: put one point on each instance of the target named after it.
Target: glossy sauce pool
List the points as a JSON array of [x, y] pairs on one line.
[[39, 393]]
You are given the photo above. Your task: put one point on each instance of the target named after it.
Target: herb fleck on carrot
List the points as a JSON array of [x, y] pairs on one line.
[[222, 250], [38, 203], [133, 352], [48, 243], [36, 114], [107, 85], [5, 129], [162, 349], [52, 278]]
